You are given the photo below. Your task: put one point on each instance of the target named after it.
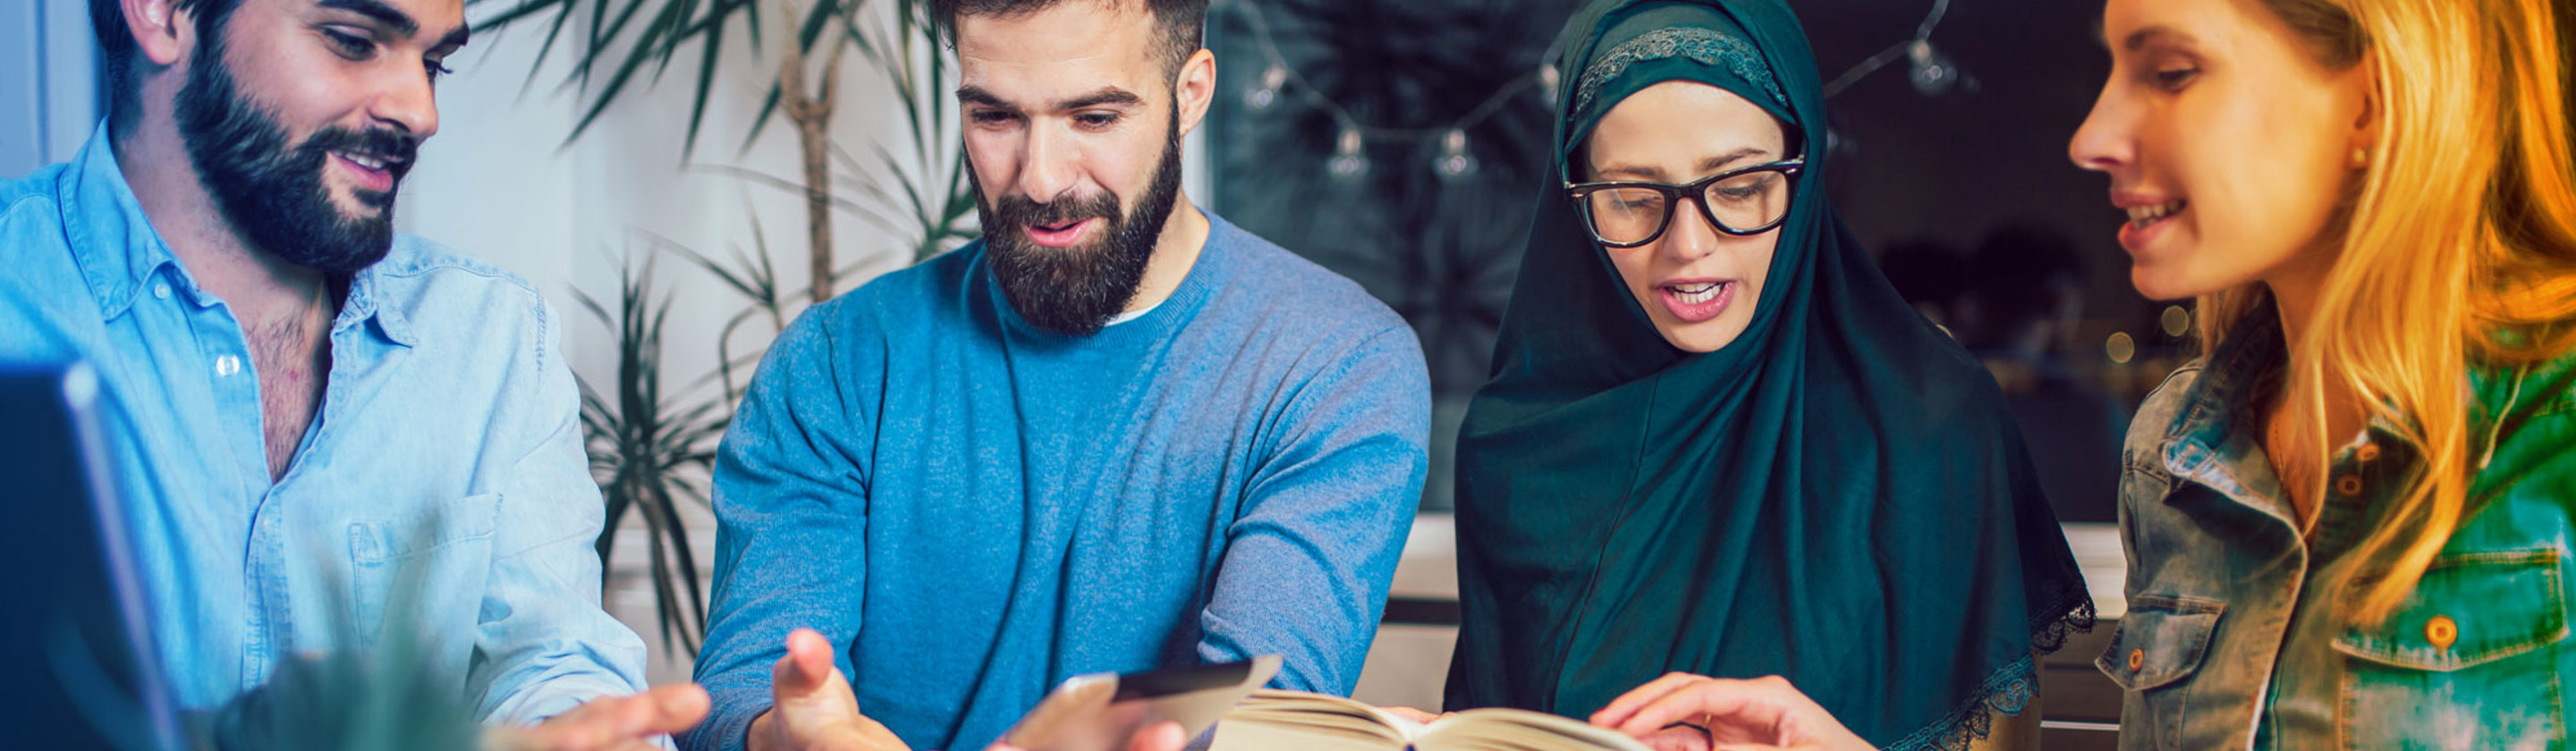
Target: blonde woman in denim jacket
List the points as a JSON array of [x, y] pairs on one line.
[[2349, 524]]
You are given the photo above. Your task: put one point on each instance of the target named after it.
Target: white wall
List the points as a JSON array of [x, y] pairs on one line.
[[71, 106], [48, 91]]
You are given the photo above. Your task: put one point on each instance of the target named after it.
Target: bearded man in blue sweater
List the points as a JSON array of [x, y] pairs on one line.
[[1116, 433]]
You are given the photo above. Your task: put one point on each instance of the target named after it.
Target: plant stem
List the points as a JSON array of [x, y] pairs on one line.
[[812, 113], [818, 207]]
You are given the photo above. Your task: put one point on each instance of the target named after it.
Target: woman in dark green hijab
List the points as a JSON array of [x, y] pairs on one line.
[[1716, 441]]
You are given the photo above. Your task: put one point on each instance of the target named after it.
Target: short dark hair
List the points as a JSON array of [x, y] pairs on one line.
[[107, 20], [1181, 22]]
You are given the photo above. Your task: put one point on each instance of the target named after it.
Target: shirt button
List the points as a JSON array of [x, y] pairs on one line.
[[2137, 659], [161, 290], [227, 365], [2348, 486], [2442, 631], [2367, 452]]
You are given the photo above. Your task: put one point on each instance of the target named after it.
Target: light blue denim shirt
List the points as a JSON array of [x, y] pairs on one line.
[[442, 488], [2240, 633]]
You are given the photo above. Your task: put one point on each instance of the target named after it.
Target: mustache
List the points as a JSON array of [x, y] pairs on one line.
[[397, 149], [1020, 210]]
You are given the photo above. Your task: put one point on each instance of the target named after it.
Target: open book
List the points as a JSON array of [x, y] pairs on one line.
[[1273, 720]]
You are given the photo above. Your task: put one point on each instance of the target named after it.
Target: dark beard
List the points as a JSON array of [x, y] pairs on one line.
[[272, 193], [1075, 291]]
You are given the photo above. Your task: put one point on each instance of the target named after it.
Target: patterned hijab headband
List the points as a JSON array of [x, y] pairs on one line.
[[1673, 41]]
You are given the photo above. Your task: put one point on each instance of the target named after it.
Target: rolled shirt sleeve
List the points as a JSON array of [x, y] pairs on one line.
[[545, 645]]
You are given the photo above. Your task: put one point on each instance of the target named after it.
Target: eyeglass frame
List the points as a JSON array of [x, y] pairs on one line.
[[1695, 191]]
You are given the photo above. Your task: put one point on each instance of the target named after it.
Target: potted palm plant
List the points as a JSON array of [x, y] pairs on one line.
[[649, 448], [619, 43], [652, 447]]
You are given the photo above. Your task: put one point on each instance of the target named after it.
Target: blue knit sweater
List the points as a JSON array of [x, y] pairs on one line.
[[973, 509]]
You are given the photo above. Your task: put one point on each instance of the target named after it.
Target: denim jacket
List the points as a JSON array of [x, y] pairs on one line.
[[2240, 633]]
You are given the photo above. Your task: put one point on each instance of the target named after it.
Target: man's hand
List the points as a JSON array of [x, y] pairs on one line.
[[812, 709], [616, 723], [811, 706], [1760, 714]]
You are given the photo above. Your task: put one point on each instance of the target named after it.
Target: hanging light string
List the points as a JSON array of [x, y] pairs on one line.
[[1350, 156], [1933, 73]]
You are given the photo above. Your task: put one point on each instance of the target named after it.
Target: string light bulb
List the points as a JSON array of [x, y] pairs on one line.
[[1455, 161], [1933, 73], [1272, 81], [1350, 158]]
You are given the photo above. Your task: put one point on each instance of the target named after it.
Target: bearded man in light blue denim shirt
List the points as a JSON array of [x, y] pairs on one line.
[[328, 435]]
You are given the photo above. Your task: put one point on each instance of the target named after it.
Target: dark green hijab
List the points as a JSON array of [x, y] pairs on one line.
[[1839, 496]]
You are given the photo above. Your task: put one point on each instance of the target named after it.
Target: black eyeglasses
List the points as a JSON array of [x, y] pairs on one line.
[[1627, 214]]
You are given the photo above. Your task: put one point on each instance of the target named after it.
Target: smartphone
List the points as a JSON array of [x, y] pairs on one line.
[[1101, 711]]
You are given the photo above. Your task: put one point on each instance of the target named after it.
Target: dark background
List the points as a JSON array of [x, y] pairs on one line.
[[1441, 250]]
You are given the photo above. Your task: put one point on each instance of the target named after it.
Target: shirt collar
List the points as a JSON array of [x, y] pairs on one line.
[[119, 251], [2212, 440], [2227, 379], [113, 242], [367, 290]]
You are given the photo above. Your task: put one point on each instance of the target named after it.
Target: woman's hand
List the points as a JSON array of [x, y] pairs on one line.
[[1415, 715], [1755, 715]]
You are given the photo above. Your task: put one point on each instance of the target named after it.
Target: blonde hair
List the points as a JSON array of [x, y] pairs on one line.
[[2458, 248]]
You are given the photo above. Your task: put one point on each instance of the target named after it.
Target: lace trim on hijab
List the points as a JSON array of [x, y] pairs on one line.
[[1706, 46], [2009, 690]]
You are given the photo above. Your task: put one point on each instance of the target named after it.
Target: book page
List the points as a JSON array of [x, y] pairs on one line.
[[1297, 721], [1274, 720], [1519, 730]]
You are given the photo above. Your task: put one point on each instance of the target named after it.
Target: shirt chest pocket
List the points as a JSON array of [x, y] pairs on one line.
[[2162, 641], [422, 571], [2470, 659]]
